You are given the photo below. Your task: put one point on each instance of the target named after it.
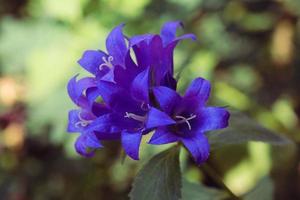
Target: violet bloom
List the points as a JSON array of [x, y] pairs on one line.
[[129, 113], [102, 64], [156, 51], [80, 119], [192, 118]]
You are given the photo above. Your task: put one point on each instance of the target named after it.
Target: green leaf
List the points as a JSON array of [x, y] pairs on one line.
[[192, 191], [160, 178], [243, 129], [262, 191]]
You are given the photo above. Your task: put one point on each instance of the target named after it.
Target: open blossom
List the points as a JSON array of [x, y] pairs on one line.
[[138, 96], [191, 118]]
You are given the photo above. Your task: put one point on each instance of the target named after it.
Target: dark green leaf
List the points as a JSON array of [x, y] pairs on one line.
[[192, 191], [243, 129], [160, 178], [262, 191]]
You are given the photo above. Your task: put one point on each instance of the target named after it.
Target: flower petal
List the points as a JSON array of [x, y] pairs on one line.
[[73, 119], [200, 89], [167, 98], [107, 90], [131, 143], [124, 77], [76, 89], [211, 118], [75, 116], [86, 144], [135, 40], [116, 45], [107, 123], [163, 136], [168, 31], [142, 54], [158, 118], [140, 86], [91, 60], [158, 69], [198, 146]]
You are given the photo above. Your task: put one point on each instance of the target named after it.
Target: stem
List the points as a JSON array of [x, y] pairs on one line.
[[218, 180]]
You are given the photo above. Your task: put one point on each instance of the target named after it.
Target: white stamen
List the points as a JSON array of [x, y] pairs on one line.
[[82, 122], [135, 117], [185, 120], [107, 62]]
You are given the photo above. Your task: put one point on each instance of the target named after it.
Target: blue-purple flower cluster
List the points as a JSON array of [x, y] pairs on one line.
[[132, 92]]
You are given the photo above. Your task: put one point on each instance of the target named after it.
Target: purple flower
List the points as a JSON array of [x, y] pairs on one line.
[[157, 51], [128, 97], [129, 113], [192, 118], [80, 119], [102, 64]]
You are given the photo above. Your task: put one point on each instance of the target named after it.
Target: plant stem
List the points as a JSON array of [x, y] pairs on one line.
[[217, 179]]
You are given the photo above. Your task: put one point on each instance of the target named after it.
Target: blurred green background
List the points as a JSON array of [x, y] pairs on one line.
[[249, 49]]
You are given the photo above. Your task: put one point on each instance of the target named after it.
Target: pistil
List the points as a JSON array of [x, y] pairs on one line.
[[135, 117], [107, 63], [82, 122], [185, 120]]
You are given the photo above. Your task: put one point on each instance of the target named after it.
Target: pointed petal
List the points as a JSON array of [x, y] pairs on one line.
[[158, 118], [76, 89], [108, 76], [131, 143], [125, 77], [135, 40], [200, 89], [116, 45], [198, 146], [92, 94], [168, 31], [73, 119], [91, 60], [167, 98], [169, 51], [142, 54], [140, 86], [163, 136], [211, 118], [86, 144], [158, 69], [75, 116], [107, 90]]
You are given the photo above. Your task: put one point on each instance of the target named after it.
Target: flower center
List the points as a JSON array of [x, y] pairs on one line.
[[185, 120], [135, 117], [82, 122], [107, 62]]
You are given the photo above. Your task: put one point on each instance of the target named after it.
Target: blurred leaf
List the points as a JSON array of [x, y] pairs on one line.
[[262, 191], [243, 129], [192, 191], [159, 179]]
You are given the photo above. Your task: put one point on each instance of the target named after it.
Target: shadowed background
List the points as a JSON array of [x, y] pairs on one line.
[[249, 49]]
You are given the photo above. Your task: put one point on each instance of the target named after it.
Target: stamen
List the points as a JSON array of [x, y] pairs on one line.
[[185, 120], [82, 122], [135, 117], [107, 62]]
